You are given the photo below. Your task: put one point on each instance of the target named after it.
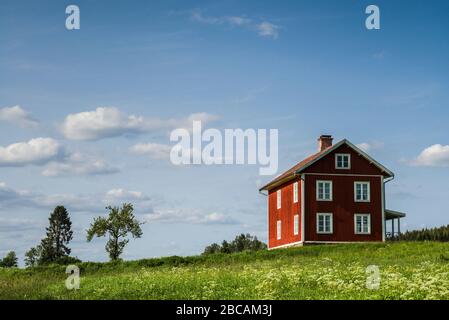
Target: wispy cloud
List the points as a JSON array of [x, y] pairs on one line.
[[79, 164], [370, 146], [106, 122], [153, 150], [18, 116], [262, 28]]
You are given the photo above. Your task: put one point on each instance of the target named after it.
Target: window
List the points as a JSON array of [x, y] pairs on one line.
[[343, 161], [278, 193], [324, 223], [278, 230], [296, 224], [324, 190], [361, 192], [295, 192], [362, 223]]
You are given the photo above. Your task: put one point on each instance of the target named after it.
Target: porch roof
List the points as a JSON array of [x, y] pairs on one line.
[[391, 214]]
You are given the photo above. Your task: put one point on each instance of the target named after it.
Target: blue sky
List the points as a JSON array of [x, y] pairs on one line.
[[303, 67]]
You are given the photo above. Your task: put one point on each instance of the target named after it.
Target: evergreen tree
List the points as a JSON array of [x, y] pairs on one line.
[[59, 233]]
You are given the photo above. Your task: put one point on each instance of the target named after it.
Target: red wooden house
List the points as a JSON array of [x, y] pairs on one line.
[[335, 195]]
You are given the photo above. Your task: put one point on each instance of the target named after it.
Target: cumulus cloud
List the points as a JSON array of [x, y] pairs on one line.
[[153, 150], [18, 116], [436, 155], [263, 28], [370, 146], [107, 122], [34, 151], [79, 164]]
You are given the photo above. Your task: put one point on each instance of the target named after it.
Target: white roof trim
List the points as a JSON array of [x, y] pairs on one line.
[[356, 149]]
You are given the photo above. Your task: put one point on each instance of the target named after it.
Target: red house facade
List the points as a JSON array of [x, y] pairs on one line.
[[336, 195]]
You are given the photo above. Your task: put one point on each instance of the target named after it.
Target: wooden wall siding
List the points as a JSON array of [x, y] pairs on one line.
[[359, 165], [286, 214], [343, 208]]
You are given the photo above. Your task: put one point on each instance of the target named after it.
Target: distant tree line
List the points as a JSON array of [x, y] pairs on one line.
[[54, 249], [432, 234], [242, 242]]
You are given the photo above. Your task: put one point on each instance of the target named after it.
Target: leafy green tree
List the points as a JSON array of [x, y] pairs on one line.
[[32, 256], [9, 261], [242, 242], [59, 233], [119, 223]]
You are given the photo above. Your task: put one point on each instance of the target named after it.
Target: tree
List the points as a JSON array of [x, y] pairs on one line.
[[9, 261], [117, 225], [32, 256], [242, 242], [59, 233]]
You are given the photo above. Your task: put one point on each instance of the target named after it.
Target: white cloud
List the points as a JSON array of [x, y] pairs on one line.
[[191, 216], [19, 116], [436, 155], [147, 208], [267, 29], [79, 164], [153, 150], [370, 146], [263, 29], [107, 122], [34, 151]]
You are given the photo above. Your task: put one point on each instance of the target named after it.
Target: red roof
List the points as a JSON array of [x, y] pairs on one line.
[[307, 161], [292, 170]]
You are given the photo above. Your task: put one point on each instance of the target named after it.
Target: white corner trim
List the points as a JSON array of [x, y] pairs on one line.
[[303, 218]]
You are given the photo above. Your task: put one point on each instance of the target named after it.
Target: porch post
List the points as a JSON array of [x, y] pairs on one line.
[[392, 227], [399, 226]]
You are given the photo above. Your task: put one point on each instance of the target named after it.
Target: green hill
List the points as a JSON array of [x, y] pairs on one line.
[[408, 270]]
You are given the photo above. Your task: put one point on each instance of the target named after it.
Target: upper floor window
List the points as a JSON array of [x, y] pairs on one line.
[[324, 223], [361, 191], [343, 161], [362, 223], [324, 190], [279, 199], [295, 192]]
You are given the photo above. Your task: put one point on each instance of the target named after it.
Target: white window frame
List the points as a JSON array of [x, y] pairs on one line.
[[368, 191], [369, 223], [278, 229], [324, 214], [330, 188], [296, 224], [295, 192], [279, 199], [343, 155]]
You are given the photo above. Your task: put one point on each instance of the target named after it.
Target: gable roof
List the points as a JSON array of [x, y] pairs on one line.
[[301, 166]]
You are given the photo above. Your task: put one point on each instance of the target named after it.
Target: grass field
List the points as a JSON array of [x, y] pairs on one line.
[[413, 270]]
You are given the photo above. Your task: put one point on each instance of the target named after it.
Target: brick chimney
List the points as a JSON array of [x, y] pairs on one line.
[[324, 141]]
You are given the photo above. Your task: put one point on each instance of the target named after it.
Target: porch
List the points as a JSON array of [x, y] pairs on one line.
[[392, 231]]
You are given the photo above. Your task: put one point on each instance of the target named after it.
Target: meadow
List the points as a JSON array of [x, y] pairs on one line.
[[408, 270]]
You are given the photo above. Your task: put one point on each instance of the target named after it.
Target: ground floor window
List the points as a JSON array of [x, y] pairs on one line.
[[324, 223], [278, 229], [362, 223], [296, 225]]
